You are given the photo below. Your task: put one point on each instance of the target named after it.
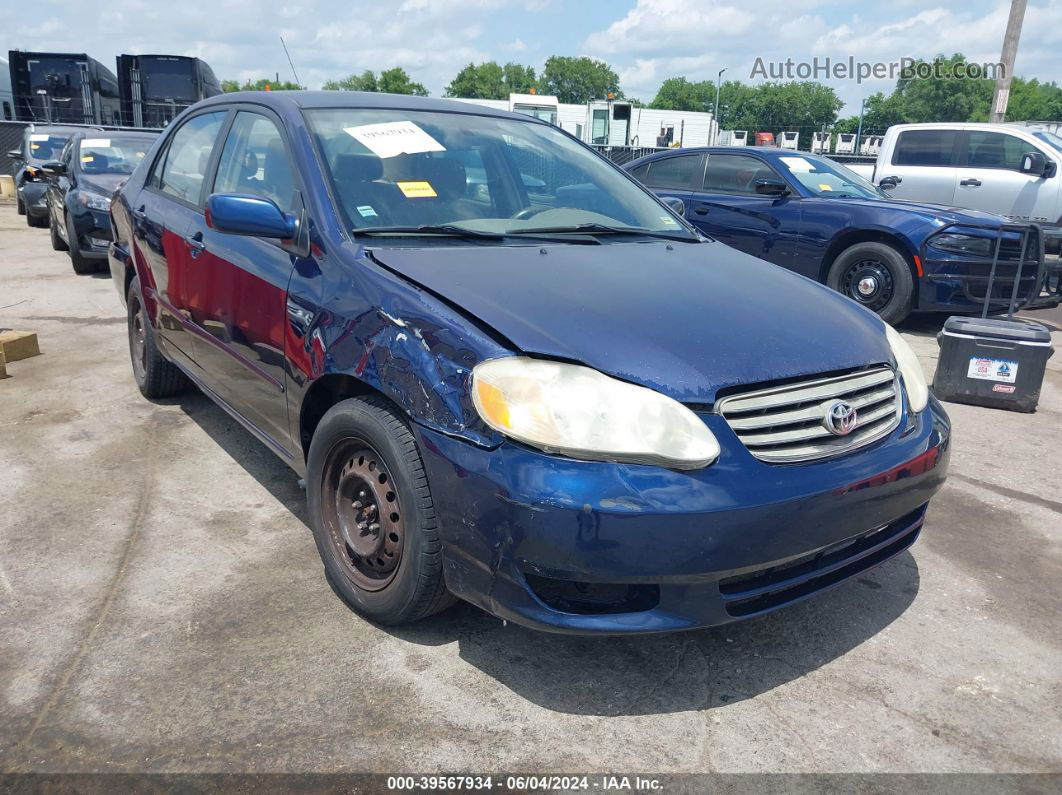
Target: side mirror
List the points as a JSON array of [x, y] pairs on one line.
[[14, 154], [242, 214], [54, 168], [676, 204], [1033, 163], [888, 183], [771, 187]]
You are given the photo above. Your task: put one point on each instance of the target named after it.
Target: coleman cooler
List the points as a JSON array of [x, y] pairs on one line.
[[992, 362]]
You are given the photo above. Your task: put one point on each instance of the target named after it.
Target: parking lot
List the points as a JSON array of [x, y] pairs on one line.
[[163, 608]]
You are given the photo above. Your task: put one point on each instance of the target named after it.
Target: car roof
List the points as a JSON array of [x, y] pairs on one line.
[[37, 129], [959, 125], [361, 99]]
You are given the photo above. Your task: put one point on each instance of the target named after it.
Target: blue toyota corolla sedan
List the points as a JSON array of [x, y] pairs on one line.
[[510, 374], [814, 216]]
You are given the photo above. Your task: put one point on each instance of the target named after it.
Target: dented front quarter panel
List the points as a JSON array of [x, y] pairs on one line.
[[350, 316]]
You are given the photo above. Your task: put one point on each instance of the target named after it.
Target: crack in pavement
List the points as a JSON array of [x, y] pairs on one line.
[[1014, 494], [139, 514]]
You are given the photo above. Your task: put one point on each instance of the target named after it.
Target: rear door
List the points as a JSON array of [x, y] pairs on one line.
[[926, 162], [728, 208], [672, 177], [990, 178], [162, 214], [242, 282]]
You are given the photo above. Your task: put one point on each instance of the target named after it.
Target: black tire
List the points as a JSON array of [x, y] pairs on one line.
[[877, 276], [32, 220], [154, 375], [363, 457], [81, 265], [57, 242], [20, 208]]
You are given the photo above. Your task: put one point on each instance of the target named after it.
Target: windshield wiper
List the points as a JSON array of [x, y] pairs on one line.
[[605, 229], [447, 230]]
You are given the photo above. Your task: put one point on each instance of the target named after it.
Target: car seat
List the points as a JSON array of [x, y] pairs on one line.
[[357, 185]]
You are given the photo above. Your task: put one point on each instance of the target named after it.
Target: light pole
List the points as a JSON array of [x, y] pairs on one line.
[[859, 130], [718, 85]]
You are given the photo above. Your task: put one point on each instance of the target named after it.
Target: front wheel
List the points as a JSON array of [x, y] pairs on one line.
[[20, 207], [80, 264], [372, 515], [877, 276], [53, 232]]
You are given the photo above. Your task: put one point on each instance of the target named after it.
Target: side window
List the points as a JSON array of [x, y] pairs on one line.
[[673, 172], [255, 161], [641, 173], [925, 148], [735, 174], [185, 163], [994, 150]]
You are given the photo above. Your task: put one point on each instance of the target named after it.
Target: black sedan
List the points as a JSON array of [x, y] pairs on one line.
[[93, 164], [39, 145]]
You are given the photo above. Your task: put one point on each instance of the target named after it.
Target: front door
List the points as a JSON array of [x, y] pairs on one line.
[[242, 282], [672, 177], [990, 178]]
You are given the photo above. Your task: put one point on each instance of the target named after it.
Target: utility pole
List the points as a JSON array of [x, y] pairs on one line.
[[1010, 49], [715, 110], [859, 130]]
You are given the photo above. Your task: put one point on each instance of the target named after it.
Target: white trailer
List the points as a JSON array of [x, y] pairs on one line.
[[845, 144], [733, 138], [790, 140], [820, 143]]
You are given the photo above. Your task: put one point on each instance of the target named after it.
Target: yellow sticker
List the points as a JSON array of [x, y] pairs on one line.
[[825, 187], [87, 159], [417, 190]]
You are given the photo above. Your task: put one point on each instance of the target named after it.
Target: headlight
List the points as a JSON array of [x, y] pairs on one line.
[[579, 412], [93, 201], [964, 244], [910, 369]]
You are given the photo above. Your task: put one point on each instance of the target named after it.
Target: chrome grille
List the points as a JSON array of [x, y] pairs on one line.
[[786, 424]]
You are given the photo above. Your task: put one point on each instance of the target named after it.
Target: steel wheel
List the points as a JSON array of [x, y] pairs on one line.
[[138, 338], [361, 513], [869, 282]]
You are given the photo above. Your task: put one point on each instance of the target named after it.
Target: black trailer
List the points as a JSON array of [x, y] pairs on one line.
[[155, 88], [63, 88]]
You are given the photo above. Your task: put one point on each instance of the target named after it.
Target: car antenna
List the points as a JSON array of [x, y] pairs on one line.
[[285, 46]]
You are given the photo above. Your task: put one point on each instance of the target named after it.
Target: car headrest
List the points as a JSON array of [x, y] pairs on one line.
[[357, 168], [98, 163], [447, 176], [249, 166]]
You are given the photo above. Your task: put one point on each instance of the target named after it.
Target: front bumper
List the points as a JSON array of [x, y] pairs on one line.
[[596, 547], [93, 231], [34, 198]]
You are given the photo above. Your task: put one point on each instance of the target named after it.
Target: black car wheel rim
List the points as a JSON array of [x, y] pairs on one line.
[[362, 515], [869, 282], [138, 339]]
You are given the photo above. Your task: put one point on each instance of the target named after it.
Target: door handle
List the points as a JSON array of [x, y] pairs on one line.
[[195, 243], [139, 213], [701, 209], [972, 182]]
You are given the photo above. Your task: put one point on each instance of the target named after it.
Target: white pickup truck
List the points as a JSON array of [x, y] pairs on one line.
[[1004, 169]]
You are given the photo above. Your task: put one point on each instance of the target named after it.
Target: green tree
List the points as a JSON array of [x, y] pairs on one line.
[[578, 80], [518, 79], [678, 93], [943, 97], [228, 86], [488, 80], [390, 81]]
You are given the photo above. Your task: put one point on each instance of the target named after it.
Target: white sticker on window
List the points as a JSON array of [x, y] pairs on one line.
[[1004, 370], [367, 211], [797, 163], [394, 138], [38, 136], [101, 142]]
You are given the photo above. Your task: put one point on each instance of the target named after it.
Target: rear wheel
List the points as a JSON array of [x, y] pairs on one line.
[[877, 276], [81, 265], [155, 376], [372, 514], [53, 231]]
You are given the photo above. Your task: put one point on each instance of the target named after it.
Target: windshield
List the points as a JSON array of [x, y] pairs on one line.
[[400, 168], [45, 146], [167, 78], [828, 179], [113, 155], [1050, 139]]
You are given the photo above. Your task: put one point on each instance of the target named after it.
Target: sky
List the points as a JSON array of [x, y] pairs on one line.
[[645, 41]]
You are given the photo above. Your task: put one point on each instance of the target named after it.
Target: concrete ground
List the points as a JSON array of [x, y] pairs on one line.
[[162, 608]]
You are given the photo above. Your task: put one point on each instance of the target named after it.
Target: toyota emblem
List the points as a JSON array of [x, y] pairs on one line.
[[840, 418]]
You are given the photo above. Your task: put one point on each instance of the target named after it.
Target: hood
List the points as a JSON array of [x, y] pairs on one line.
[[104, 184], [685, 319], [937, 212]]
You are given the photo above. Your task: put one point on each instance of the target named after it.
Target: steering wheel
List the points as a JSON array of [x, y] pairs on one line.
[[528, 212]]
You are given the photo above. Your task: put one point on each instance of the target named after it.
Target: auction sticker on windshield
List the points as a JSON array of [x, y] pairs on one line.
[[417, 190], [1003, 370], [393, 138]]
